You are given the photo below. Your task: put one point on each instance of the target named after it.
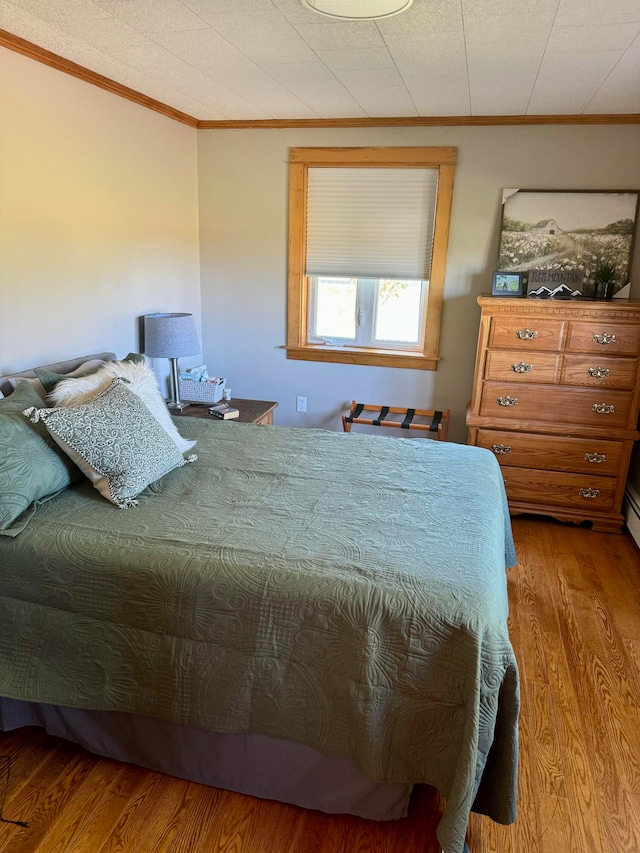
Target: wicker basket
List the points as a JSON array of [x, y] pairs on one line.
[[201, 392]]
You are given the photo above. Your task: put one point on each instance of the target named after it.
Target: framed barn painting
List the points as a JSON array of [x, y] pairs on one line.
[[574, 234]]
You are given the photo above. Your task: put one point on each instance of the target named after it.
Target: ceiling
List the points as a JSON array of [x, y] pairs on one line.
[[257, 60]]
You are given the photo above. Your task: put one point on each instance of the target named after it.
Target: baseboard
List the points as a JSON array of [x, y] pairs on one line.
[[631, 510]]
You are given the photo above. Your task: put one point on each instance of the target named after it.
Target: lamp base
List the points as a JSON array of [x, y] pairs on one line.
[[177, 405]]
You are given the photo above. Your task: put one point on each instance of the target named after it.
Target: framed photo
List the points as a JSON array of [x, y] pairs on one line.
[[569, 233], [507, 284]]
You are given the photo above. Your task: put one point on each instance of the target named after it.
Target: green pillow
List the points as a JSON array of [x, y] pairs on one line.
[[50, 379], [115, 441], [32, 467]]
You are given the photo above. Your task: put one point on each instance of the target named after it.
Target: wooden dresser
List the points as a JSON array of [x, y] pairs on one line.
[[555, 397]]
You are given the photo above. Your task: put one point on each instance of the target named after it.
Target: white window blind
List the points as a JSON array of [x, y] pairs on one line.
[[370, 222]]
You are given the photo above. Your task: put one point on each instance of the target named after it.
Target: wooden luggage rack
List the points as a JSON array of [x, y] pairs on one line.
[[431, 420]]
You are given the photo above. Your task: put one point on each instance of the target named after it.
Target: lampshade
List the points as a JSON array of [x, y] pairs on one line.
[[358, 10], [170, 335]]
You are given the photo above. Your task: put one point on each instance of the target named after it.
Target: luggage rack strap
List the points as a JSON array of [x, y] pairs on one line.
[[437, 419]]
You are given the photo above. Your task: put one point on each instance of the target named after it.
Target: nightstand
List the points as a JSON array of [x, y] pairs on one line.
[[251, 411]]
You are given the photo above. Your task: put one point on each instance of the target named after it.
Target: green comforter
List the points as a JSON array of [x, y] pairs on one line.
[[343, 591]]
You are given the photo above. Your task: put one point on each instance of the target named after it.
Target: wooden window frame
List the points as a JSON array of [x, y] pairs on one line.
[[300, 160]]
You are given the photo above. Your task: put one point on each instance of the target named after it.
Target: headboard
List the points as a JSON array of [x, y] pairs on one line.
[[58, 367]]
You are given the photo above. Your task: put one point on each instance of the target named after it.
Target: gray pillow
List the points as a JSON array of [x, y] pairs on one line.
[[115, 440], [32, 466]]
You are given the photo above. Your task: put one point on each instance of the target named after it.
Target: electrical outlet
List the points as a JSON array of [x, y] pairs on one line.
[[301, 404]]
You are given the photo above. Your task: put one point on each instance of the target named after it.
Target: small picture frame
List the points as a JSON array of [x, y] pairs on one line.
[[507, 284]]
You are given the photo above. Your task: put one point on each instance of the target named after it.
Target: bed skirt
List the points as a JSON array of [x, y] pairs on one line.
[[248, 763]]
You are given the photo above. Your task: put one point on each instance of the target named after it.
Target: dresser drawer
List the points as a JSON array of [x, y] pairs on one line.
[[599, 372], [526, 333], [556, 404], [555, 488], [510, 366], [553, 453], [604, 338]]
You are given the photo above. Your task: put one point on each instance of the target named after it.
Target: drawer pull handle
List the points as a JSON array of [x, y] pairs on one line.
[[507, 401], [603, 408], [595, 457], [501, 448], [590, 493], [521, 367], [598, 372], [526, 334], [604, 338]]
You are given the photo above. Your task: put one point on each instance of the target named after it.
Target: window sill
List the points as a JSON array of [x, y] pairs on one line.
[[371, 357]]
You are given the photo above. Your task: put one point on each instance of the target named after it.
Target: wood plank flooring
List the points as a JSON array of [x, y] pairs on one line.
[[575, 627]]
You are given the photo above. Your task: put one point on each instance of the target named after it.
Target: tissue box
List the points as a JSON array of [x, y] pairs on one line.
[[211, 391]]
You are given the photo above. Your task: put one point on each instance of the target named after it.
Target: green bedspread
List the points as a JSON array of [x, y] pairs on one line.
[[343, 591]]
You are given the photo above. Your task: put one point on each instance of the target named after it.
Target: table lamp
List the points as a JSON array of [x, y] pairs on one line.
[[171, 336]]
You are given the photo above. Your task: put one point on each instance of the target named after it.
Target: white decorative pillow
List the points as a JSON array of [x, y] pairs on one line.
[[115, 440], [143, 383]]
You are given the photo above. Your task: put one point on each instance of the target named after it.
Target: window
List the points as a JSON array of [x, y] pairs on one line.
[[368, 233]]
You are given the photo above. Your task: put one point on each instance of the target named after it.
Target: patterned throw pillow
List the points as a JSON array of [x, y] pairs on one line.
[[142, 381], [114, 440], [32, 466]]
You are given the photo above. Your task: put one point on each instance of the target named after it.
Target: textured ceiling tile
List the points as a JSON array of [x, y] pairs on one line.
[[502, 76], [504, 31], [429, 46], [357, 79], [591, 37], [250, 25], [297, 13], [301, 75], [353, 60], [103, 34], [204, 7], [194, 44], [436, 16], [620, 92], [290, 50], [206, 49], [260, 88], [39, 32], [336, 104], [502, 87], [55, 10], [579, 12], [490, 102], [433, 97], [335, 68], [142, 57], [341, 35], [506, 7], [151, 16], [385, 100], [191, 83], [566, 82]]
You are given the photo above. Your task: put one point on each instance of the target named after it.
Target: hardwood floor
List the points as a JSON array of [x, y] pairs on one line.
[[575, 626]]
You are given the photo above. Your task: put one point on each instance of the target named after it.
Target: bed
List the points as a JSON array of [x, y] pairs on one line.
[[309, 616]]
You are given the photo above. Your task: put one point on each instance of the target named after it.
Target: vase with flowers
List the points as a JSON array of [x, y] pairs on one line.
[[604, 281]]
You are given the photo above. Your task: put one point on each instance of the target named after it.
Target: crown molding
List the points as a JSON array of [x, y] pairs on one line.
[[53, 60], [426, 121], [33, 51]]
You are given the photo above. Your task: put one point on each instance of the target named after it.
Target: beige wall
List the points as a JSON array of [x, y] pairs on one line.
[[243, 216], [99, 225], [98, 217]]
